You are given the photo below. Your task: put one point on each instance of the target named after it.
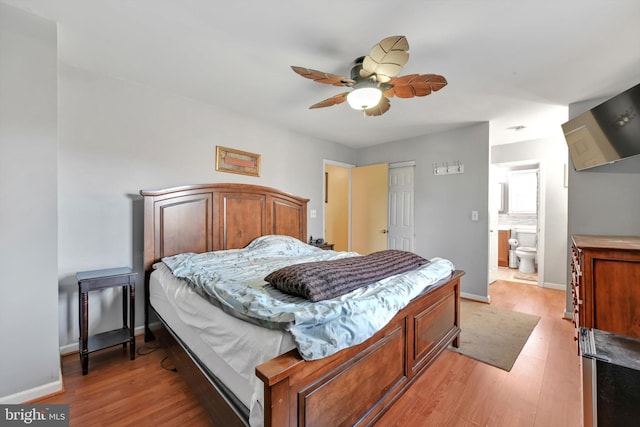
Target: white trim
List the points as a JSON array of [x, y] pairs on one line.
[[556, 286], [340, 164], [34, 393], [68, 349], [542, 215], [475, 297], [402, 164]]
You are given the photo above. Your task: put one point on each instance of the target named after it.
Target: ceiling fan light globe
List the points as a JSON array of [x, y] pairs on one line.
[[364, 98]]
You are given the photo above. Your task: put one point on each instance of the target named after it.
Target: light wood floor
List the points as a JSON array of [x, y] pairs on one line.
[[542, 389]]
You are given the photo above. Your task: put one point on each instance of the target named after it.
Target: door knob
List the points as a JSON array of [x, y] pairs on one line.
[[384, 231]]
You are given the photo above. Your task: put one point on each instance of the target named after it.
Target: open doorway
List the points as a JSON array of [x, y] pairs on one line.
[[550, 156], [517, 222], [337, 205], [369, 208]]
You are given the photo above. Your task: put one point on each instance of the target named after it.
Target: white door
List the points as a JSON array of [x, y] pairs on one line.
[[401, 223], [494, 206]]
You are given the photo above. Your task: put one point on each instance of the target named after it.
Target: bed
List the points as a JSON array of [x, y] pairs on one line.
[[345, 388]]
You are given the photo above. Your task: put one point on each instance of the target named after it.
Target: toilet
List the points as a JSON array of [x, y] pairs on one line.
[[526, 251]]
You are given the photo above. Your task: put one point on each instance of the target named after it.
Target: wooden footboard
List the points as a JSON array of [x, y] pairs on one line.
[[356, 385]]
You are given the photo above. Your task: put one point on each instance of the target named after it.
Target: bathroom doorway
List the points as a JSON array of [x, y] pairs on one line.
[[518, 205]]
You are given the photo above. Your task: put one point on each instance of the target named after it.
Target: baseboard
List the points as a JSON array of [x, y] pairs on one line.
[[556, 286], [475, 297], [34, 393], [73, 347], [68, 349]]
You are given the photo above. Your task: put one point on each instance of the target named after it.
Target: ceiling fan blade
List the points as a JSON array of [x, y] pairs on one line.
[[322, 77], [386, 58], [415, 85], [394, 43], [382, 107], [334, 100]]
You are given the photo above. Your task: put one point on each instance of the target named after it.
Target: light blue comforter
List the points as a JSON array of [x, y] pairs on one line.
[[235, 279]]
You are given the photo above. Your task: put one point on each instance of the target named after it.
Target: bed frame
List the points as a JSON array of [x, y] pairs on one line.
[[354, 386]]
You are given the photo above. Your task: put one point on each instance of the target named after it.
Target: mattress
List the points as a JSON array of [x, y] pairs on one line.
[[230, 348], [234, 280]]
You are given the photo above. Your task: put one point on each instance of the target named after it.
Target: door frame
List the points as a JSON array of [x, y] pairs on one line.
[[541, 209], [493, 224], [326, 162]]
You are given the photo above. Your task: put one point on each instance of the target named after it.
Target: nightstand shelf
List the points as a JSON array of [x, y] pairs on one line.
[[108, 339], [123, 277]]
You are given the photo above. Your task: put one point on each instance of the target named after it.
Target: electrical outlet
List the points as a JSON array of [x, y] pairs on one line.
[[313, 213], [474, 215]]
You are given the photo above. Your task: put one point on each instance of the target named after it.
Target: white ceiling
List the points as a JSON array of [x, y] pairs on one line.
[[510, 62]]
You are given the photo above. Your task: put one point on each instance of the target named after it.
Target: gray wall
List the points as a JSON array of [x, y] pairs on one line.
[[116, 138], [28, 207], [552, 154], [605, 199], [443, 203]]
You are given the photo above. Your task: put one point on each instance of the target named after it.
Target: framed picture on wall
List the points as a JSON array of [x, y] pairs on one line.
[[236, 161]]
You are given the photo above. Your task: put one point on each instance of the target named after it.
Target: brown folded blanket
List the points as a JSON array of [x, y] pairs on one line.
[[323, 280]]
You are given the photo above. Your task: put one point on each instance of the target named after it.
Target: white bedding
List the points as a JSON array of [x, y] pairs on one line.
[[225, 344], [235, 279]]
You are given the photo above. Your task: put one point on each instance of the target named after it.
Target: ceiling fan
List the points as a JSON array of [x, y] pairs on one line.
[[373, 79]]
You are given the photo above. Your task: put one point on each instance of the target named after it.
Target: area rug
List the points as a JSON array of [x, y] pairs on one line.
[[493, 335], [533, 277]]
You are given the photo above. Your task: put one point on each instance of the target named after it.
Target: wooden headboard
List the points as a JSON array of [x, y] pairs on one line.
[[208, 217]]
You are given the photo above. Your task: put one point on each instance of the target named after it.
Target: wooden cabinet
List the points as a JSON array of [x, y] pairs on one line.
[[503, 247], [605, 283]]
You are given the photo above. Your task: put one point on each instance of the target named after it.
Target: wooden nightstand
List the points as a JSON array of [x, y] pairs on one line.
[[325, 246], [101, 279]]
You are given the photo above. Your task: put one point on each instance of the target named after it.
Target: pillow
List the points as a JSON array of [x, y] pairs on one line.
[[323, 280], [281, 245], [272, 240]]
